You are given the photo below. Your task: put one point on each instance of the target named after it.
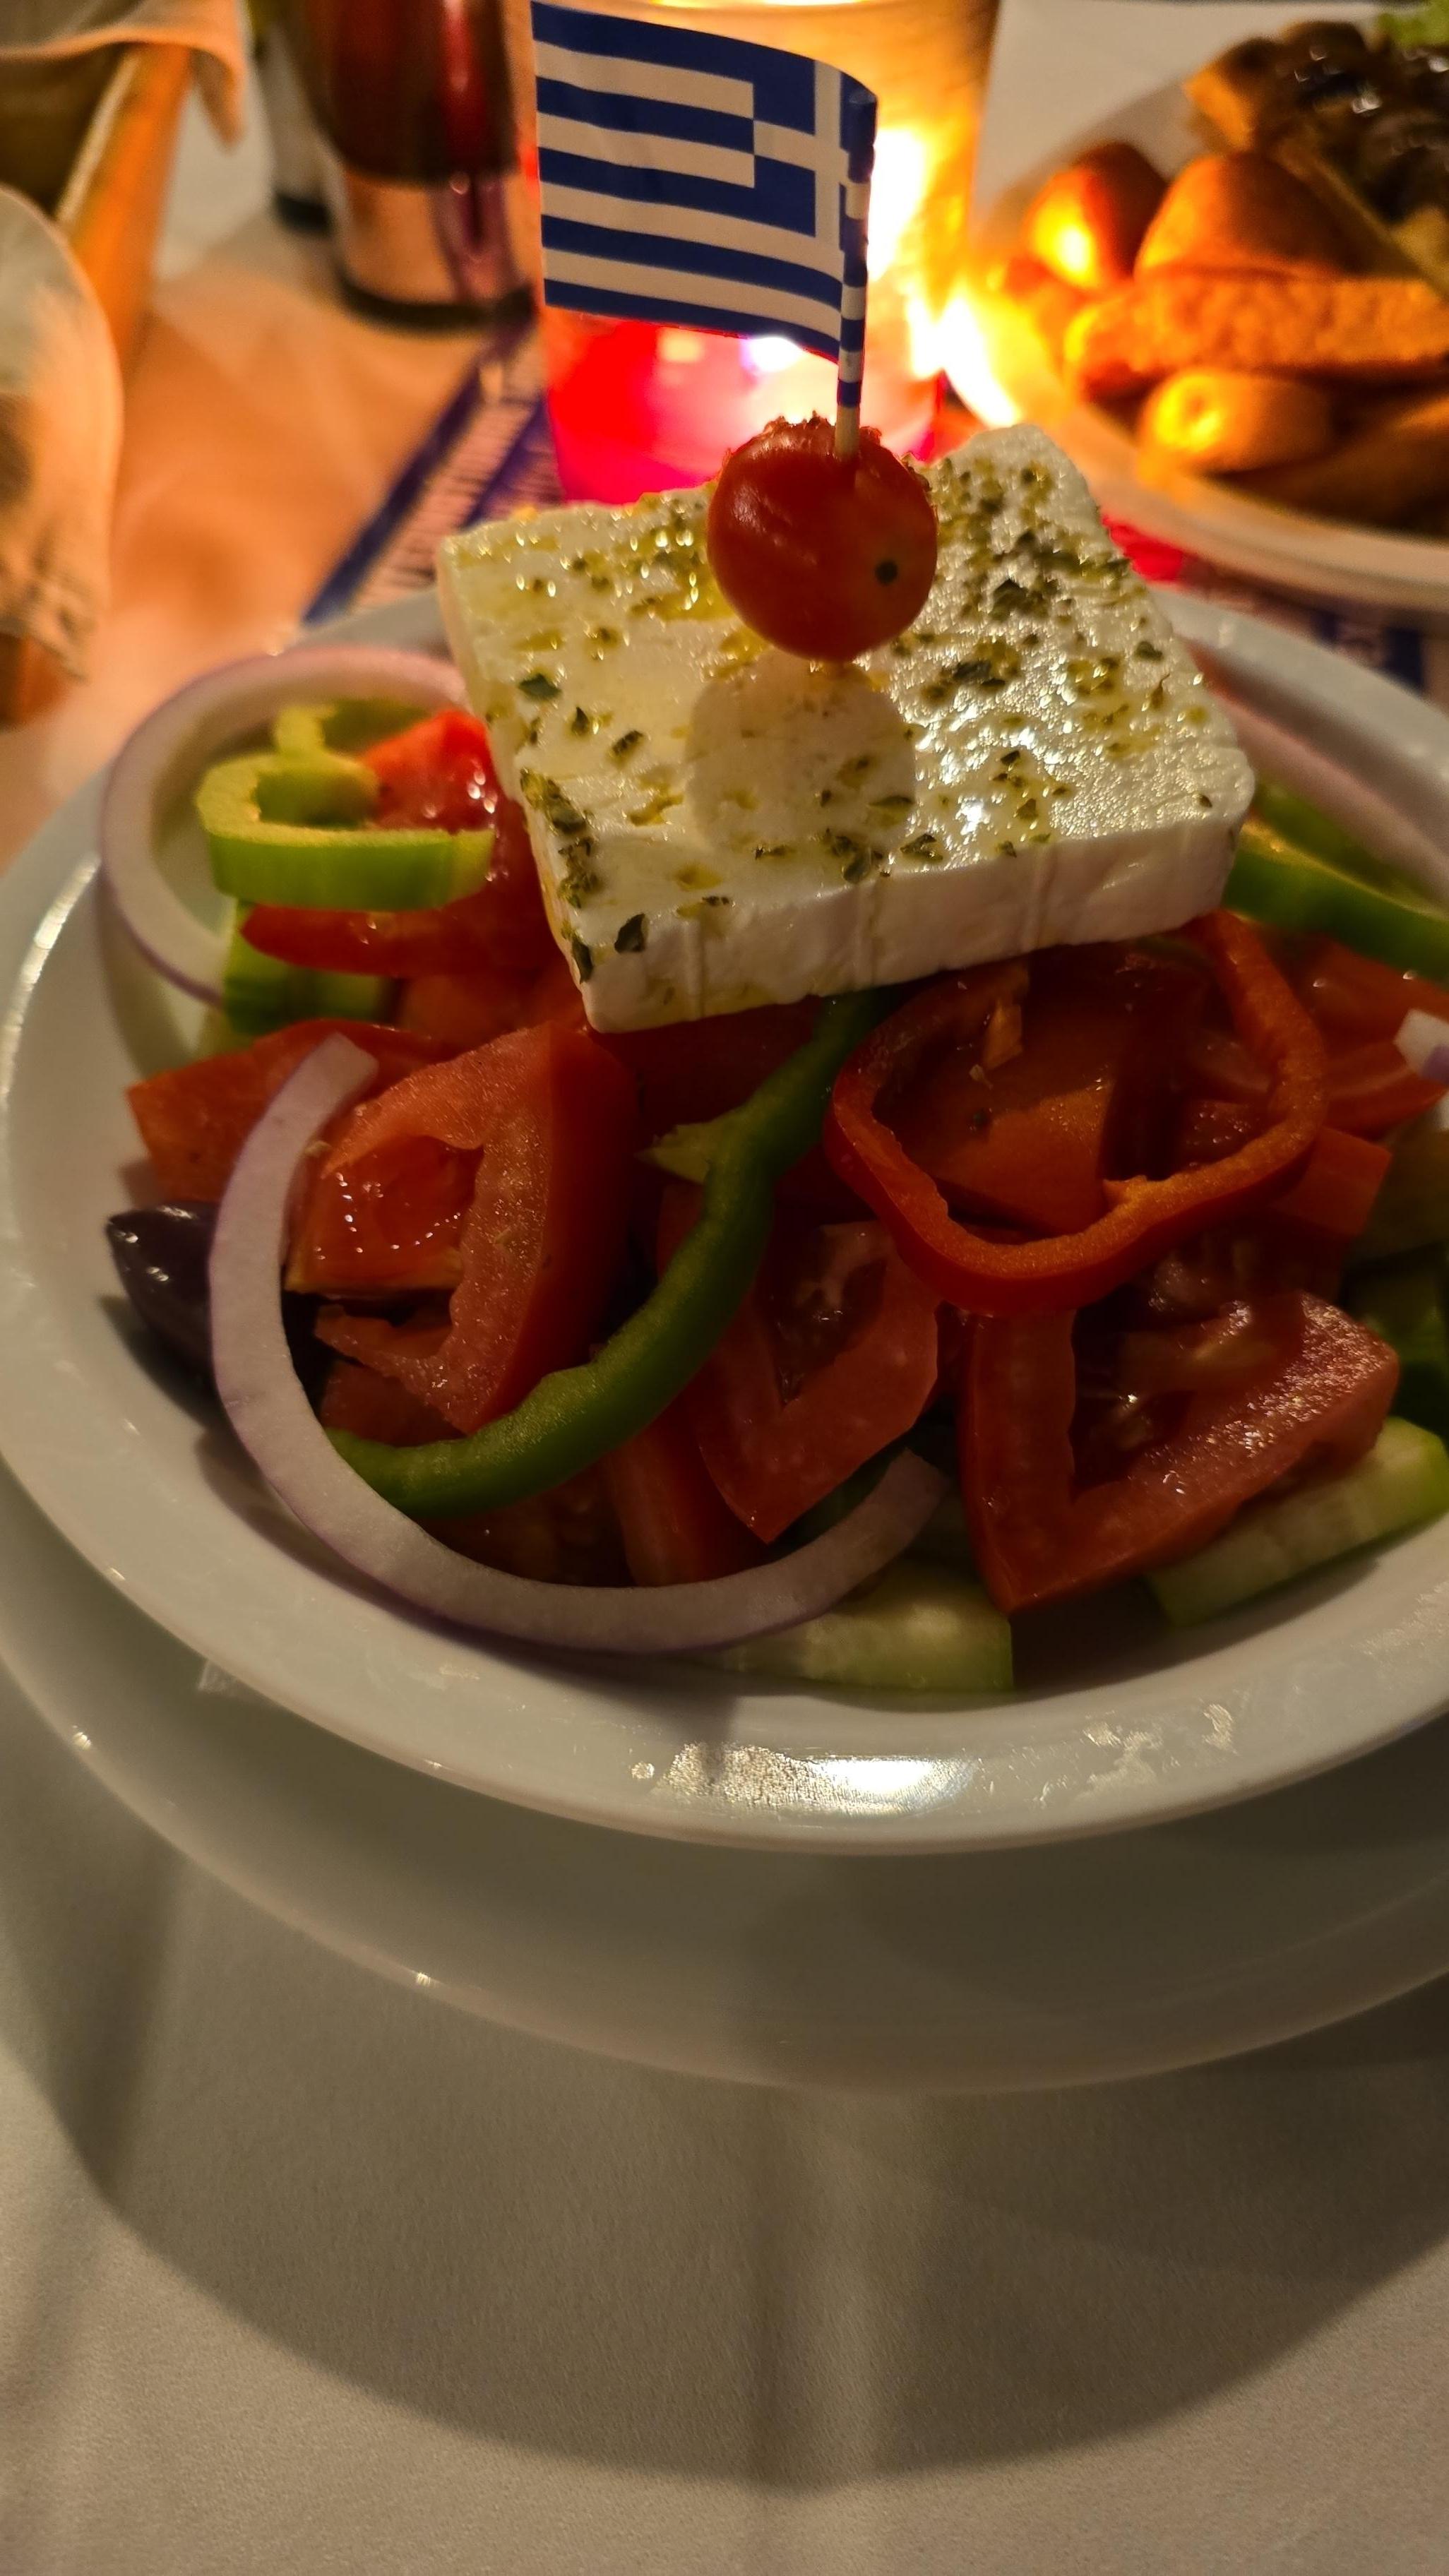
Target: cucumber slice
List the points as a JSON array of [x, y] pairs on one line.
[[1404, 1303], [1412, 1207], [915, 1628], [1373, 908], [1403, 1480], [260, 993]]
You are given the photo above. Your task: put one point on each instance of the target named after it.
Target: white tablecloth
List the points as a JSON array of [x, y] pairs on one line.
[[301, 2275]]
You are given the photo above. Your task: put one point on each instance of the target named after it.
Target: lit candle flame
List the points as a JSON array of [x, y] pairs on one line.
[[897, 193], [962, 351]]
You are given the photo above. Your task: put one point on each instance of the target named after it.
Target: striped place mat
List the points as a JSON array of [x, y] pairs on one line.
[[489, 452]]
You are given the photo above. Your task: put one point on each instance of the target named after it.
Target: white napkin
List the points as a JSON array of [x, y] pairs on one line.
[[60, 432], [60, 393], [213, 28]]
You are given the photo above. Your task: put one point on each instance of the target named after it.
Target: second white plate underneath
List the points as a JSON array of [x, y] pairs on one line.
[[984, 1971]]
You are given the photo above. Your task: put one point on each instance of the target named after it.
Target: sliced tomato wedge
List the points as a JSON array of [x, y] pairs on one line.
[[1039, 1535], [550, 1117], [1033, 1138], [695, 1070], [1373, 1088], [387, 1226], [439, 772], [356, 1399], [1335, 1194], [1355, 1000], [1209, 1130], [833, 1355], [195, 1120], [675, 1525], [568, 1535], [466, 1010]]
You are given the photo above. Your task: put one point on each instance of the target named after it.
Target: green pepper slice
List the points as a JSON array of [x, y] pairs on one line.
[[304, 728], [288, 829], [577, 1415], [1365, 904]]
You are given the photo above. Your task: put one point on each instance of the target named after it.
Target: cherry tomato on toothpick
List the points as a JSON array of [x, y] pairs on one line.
[[825, 555]]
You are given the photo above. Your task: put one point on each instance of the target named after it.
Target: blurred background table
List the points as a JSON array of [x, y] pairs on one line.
[[302, 2273], [263, 421]]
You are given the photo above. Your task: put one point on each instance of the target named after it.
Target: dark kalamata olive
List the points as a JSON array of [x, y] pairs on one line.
[[161, 1255], [1324, 42], [1324, 63], [1403, 161]]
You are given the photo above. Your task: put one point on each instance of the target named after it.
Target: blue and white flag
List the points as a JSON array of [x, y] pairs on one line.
[[698, 179]]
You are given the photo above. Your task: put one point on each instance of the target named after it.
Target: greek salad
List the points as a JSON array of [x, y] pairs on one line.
[[822, 1112]]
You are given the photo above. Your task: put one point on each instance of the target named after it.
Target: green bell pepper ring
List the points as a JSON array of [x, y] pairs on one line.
[[577, 1415], [1306, 825], [1368, 906], [306, 727], [288, 829], [259, 994]]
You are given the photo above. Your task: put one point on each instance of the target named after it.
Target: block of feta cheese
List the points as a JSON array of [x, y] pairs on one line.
[[718, 825]]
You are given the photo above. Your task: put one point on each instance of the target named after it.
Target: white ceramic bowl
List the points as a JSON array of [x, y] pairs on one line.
[[1120, 1722]]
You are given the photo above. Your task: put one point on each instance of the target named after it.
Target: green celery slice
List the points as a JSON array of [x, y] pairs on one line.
[[1383, 914], [1403, 1480], [1404, 1303], [915, 1628], [260, 994]]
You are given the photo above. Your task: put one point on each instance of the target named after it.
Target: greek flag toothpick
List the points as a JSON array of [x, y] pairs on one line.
[[698, 179]]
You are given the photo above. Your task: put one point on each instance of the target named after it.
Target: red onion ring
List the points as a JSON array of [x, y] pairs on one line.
[[274, 1422], [168, 752]]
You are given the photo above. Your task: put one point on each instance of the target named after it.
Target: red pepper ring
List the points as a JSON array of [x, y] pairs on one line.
[[1147, 1217]]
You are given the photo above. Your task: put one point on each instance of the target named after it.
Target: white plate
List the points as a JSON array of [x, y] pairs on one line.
[[1122, 1722], [987, 1971], [1324, 559]]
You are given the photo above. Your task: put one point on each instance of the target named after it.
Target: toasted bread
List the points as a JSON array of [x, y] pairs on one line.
[[1087, 222], [1393, 468], [1048, 302], [1241, 210], [1220, 423], [1369, 330]]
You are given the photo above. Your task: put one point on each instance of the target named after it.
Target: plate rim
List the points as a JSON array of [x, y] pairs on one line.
[[1417, 753]]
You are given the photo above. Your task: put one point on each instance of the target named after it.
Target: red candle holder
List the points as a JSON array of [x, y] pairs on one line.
[[648, 407]]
